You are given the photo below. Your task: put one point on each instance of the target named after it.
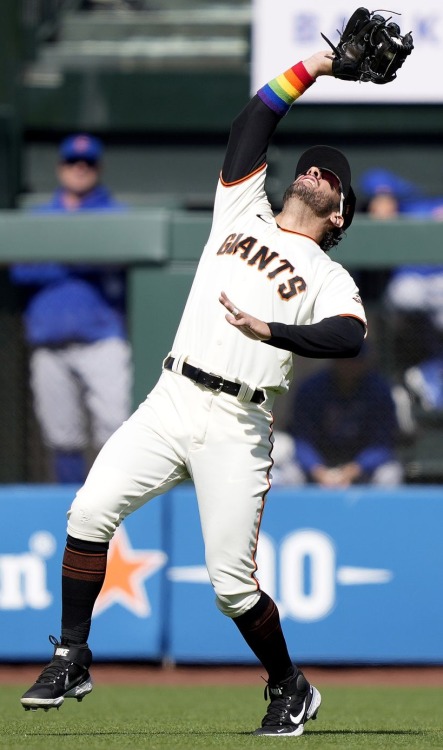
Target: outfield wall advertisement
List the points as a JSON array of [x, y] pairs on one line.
[[357, 576], [285, 32]]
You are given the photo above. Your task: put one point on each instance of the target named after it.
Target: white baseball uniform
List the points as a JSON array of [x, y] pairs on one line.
[[223, 443]]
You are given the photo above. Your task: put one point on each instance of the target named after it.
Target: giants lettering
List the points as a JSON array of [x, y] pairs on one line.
[[285, 265], [262, 257], [228, 243], [296, 285], [234, 242], [261, 260]]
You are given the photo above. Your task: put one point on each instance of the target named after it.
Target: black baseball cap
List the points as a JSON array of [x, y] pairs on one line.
[[327, 157]]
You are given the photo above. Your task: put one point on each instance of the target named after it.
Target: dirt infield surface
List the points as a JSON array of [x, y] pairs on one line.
[[140, 674]]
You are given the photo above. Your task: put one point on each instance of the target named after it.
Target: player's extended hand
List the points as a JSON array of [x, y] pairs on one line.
[[249, 326]]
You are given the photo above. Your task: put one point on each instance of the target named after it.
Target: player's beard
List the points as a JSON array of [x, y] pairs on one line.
[[322, 205]]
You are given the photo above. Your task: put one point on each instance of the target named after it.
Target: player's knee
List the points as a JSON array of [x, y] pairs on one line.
[[234, 605], [88, 521], [235, 587]]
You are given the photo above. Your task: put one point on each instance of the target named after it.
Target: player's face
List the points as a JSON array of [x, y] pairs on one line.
[[78, 176], [318, 177], [317, 188]]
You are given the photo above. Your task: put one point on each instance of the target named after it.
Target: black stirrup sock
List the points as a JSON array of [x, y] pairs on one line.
[[260, 627], [83, 573]]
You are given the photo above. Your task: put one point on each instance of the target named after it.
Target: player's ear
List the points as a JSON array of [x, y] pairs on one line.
[[336, 219]]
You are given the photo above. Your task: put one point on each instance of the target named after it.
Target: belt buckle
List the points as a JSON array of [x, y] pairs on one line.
[[219, 387]]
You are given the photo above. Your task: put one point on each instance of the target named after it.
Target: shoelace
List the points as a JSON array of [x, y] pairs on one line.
[[278, 709], [53, 671], [56, 667]]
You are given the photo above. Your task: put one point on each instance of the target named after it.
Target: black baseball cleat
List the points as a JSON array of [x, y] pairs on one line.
[[66, 676], [293, 703]]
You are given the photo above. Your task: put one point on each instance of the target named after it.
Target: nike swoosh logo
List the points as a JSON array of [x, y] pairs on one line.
[[280, 730], [259, 216], [297, 719]]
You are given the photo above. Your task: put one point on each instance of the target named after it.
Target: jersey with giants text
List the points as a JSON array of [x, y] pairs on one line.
[[273, 274]]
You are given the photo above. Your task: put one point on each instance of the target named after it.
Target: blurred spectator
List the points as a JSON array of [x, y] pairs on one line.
[[345, 426], [285, 469], [387, 194], [414, 296], [80, 360], [426, 208]]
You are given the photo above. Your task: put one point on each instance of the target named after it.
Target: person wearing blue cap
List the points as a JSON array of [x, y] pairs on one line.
[[80, 359], [79, 146], [386, 193], [79, 176]]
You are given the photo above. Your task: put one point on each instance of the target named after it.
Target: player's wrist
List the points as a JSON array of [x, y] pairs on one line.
[[281, 93], [319, 64]]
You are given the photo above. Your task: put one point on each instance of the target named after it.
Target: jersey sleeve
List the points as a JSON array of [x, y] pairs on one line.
[[242, 178], [251, 131], [241, 198], [338, 295], [332, 337]]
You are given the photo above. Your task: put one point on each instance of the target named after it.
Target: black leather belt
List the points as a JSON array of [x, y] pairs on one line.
[[213, 382]]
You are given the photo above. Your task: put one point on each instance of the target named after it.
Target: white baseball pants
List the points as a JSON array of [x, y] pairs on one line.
[[184, 431]]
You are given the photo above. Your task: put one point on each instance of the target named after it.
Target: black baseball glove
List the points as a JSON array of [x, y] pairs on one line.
[[369, 49]]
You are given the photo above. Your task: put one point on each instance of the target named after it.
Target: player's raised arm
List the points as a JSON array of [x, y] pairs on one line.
[[251, 131], [370, 48]]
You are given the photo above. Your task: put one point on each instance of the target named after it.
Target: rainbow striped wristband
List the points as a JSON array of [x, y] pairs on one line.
[[281, 93]]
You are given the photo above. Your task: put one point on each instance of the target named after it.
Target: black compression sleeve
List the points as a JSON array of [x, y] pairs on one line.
[[334, 337], [249, 139]]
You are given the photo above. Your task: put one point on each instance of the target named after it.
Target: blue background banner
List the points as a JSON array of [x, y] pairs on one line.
[[357, 575]]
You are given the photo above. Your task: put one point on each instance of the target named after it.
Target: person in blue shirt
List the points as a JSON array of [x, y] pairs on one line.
[[345, 427], [80, 358], [414, 293]]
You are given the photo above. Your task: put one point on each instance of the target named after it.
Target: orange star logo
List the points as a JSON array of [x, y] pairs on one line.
[[126, 571]]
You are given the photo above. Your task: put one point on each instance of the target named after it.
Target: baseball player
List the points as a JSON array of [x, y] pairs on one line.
[[209, 418]]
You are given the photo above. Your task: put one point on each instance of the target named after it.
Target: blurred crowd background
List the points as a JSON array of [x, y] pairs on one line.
[[151, 88]]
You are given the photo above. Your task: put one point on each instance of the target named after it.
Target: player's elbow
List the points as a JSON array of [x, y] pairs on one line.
[[354, 339]]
